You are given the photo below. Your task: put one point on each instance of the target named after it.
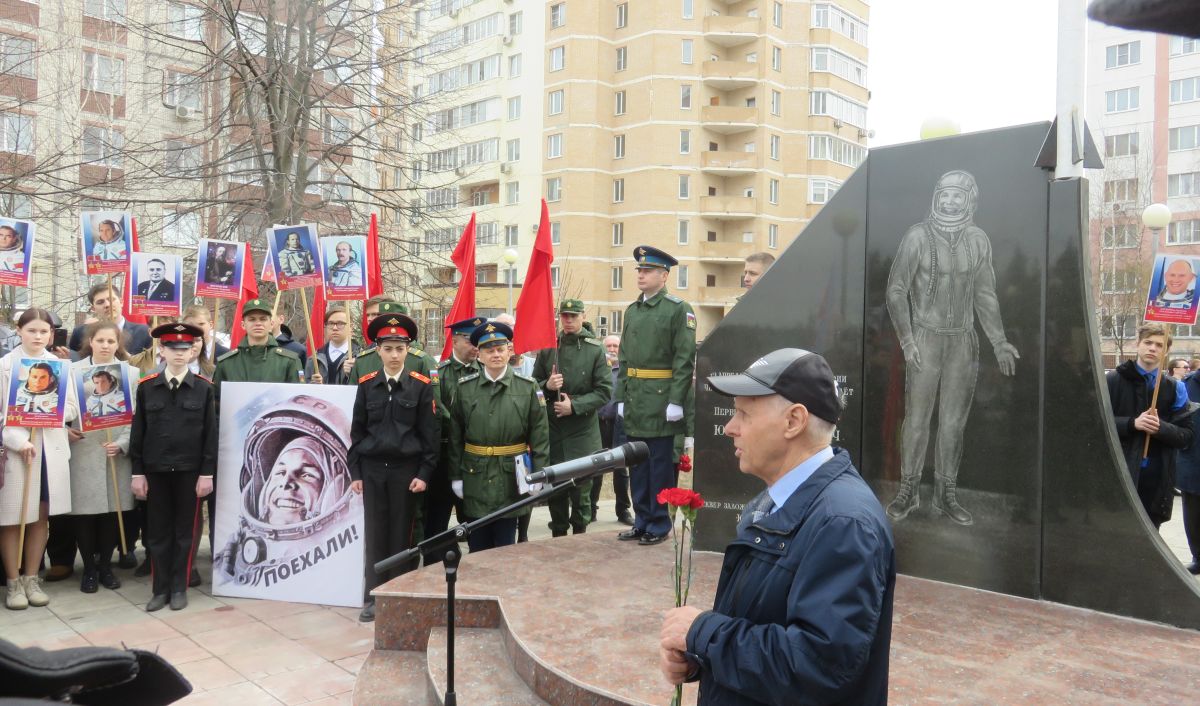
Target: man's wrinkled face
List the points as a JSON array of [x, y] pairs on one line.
[[612, 344], [463, 350], [293, 488], [1179, 277], [758, 430], [343, 253], [1151, 350], [155, 270], [38, 380]]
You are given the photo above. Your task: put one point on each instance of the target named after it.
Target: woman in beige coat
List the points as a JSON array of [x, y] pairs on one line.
[[48, 456], [94, 500]]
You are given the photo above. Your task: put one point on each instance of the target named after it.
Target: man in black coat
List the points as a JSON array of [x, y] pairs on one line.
[[1131, 387], [156, 287], [106, 305]]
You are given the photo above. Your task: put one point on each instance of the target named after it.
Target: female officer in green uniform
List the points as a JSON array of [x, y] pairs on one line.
[[497, 416]]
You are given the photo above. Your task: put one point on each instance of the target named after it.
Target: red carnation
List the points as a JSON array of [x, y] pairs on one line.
[[685, 464]]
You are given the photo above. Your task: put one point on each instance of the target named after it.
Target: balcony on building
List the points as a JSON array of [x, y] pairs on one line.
[[731, 31], [728, 163], [467, 176], [729, 75], [723, 251], [728, 119], [717, 296], [728, 208]]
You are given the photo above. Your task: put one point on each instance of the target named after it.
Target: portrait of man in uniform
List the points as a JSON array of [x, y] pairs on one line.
[[295, 255], [12, 249], [110, 242], [105, 241], [346, 268], [1179, 285], [106, 397], [292, 491], [40, 392]]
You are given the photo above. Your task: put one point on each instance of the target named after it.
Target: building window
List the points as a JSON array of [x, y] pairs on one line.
[[616, 318], [181, 230], [832, 17], [685, 48], [1121, 145], [110, 10], [1121, 99], [1186, 184], [555, 276], [773, 147], [558, 15], [1183, 138], [688, 12], [102, 146], [772, 236], [839, 64], [821, 190], [1184, 45], [685, 186], [16, 56], [16, 133], [619, 103], [618, 234], [512, 236], [622, 15], [835, 106], [618, 147], [337, 129], [1185, 89], [181, 158], [514, 66], [618, 190], [776, 102], [512, 192], [1118, 190], [558, 58], [556, 102], [777, 14], [622, 58], [1125, 326], [836, 149], [773, 191], [556, 233], [1118, 282], [683, 232], [1122, 235], [1122, 55], [1183, 232], [103, 74], [554, 145], [617, 280], [516, 22], [514, 150], [777, 58], [554, 188], [185, 21], [685, 97], [681, 277], [514, 108], [685, 142]]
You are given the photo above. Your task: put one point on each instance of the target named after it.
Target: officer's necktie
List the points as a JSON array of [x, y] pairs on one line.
[[392, 384], [174, 384]]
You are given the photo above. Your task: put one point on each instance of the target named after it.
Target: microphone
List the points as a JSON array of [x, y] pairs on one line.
[[629, 454]]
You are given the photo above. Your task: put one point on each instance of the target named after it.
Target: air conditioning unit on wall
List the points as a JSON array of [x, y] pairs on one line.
[[185, 113], [505, 168]]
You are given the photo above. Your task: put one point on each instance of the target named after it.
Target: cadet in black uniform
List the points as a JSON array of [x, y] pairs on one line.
[[173, 449], [394, 445]]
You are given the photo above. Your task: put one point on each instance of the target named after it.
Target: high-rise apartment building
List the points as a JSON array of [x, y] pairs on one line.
[[1143, 98], [709, 129]]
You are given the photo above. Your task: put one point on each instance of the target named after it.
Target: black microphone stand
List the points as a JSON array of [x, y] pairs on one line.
[[449, 540]]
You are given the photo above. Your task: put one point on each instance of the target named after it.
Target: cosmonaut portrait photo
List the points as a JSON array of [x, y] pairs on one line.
[[103, 392], [16, 247], [295, 257], [105, 241]]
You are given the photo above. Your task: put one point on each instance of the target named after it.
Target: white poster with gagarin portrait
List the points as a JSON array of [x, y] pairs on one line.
[[289, 528]]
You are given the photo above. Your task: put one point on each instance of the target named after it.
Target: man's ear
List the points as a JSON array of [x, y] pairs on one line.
[[795, 421]]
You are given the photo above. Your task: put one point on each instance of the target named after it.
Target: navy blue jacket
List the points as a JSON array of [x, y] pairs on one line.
[[1187, 468], [803, 611]]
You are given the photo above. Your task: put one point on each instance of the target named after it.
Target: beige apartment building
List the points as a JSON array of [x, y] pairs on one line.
[[709, 129]]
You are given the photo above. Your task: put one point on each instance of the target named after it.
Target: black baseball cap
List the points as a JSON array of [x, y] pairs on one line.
[[797, 375]]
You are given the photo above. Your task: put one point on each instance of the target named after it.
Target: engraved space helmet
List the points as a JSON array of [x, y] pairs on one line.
[[294, 480], [960, 181]]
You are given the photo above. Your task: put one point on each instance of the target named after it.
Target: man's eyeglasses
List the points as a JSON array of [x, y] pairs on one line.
[[336, 324]]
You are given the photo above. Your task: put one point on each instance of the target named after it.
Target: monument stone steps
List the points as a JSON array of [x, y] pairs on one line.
[[394, 678], [485, 675]]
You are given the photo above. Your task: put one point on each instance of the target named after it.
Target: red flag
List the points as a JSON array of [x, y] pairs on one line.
[[317, 321], [374, 270], [126, 290], [535, 307], [463, 258], [249, 291]]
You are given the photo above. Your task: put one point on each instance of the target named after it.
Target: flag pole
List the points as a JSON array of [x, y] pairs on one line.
[[25, 498], [112, 473], [308, 321]]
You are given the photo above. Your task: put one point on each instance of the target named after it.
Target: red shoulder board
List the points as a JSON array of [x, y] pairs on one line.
[[368, 376], [151, 376], [419, 376], [208, 380]]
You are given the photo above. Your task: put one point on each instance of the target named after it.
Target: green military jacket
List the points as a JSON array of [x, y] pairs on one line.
[[266, 363], [449, 371], [587, 380], [509, 411], [659, 334], [368, 361]]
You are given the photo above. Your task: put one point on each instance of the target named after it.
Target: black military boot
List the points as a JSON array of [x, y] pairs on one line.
[[944, 501], [907, 499]]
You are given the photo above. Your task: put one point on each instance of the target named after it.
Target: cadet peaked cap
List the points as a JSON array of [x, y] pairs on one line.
[[571, 306], [466, 326], [797, 375], [256, 305], [177, 335], [392, 327], [651, 257], [491, 332]]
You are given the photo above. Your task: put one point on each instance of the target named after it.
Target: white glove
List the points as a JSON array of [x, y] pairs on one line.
[[620, 409], [456, 486], [688, 444], [674, 413]]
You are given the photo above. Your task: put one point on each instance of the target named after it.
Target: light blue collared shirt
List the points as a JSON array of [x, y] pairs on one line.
[[793, 479]]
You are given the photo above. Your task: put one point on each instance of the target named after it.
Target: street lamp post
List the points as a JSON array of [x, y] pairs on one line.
[[510, 258]]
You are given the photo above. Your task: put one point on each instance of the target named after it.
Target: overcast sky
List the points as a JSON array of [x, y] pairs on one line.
[[982, 64]]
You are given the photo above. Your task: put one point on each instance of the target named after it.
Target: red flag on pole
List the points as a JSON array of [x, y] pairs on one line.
[[374, 270], [126, 291], [249, 291], [463, 258], [317, 321], [535, 307]]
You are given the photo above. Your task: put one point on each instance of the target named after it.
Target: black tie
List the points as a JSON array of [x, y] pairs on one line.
[[174, 384], [392, 385]]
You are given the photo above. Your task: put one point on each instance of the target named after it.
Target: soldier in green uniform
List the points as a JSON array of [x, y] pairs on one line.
[[578, 382], [367, 362], [657, 357], [497, 422], [463, 361]]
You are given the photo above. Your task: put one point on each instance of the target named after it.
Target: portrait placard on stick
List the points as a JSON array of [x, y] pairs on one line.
[[343, 260], [219, 269], [105, 241], [16, 247], [156, 279], [37, 395], [1172, 295], [294, 256], [103, 390]]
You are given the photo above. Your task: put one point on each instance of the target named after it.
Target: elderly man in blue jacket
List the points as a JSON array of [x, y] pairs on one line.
[[803, 611]]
